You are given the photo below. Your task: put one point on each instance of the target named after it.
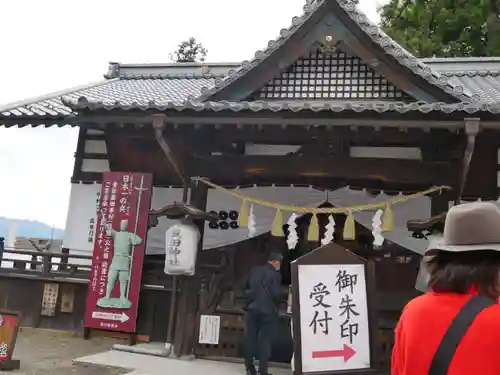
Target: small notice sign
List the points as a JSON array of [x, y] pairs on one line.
[[209, 329], [334, 317], [49, 299]]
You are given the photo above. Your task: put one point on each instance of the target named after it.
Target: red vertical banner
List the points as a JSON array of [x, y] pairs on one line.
[[9, 327], [119, 248]]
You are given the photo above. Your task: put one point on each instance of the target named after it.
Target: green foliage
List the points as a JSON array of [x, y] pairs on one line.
[[189, 51], [444, 28]]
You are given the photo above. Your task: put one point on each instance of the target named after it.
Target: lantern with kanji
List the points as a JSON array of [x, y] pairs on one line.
[[181, 248]]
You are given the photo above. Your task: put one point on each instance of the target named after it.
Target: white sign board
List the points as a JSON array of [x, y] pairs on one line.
[[334, 324], [209, 329], [81, 222]]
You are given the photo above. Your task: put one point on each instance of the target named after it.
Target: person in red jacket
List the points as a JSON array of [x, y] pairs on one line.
[[463, 265]]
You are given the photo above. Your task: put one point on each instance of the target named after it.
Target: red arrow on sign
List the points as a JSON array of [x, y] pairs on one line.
[[347, 352]]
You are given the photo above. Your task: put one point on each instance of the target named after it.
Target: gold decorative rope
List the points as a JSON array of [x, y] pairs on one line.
[[327, 210]]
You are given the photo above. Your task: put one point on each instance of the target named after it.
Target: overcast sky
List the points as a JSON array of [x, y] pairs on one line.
[[52, 45]]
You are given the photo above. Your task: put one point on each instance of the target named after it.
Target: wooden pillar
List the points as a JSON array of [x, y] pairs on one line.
[[2, 247], [440, 203], [187, 309], [482, 179]]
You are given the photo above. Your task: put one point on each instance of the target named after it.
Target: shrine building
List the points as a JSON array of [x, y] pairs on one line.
[[332, 113]]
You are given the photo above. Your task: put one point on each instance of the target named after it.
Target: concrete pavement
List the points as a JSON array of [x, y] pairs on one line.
[[150, 365]]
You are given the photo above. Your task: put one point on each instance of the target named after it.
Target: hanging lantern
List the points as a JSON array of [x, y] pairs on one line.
[[181, 248]]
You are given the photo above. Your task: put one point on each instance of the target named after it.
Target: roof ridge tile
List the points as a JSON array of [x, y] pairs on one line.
[[171, 76], [471, 73]]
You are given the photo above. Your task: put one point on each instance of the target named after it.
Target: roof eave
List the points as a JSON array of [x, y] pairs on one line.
[[21, 103], [83, 105]]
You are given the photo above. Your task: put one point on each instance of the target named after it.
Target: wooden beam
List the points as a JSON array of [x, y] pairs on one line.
[[80, 148], [298, 135], [95, 137], [159, 126], [93, 155], [440, 203], [482, 177], [373, 186], [231, 169], [134, 119]]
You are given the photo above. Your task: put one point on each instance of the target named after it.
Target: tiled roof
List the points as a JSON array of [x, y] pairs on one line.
[[291, 106], [485, 83], [136, 85], [462, 64], [374, 32], [158, 87], [478, 74], [144, 90]]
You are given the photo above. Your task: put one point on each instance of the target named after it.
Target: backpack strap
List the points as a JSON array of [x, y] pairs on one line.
[[457, 330]]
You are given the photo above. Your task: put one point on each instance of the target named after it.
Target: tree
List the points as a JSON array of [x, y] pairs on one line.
[[189, 51], [444, 28]]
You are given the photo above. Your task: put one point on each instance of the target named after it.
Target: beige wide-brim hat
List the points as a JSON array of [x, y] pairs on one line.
[[469, 227]]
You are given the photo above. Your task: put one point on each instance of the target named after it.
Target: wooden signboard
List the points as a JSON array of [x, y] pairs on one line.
[[67, 298], [333, 313], [49, 299], [9, 327]]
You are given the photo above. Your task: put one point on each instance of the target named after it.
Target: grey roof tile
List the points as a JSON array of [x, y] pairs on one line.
[[487, 85], [143, 92], [392, 48], [49, 104], [462, 64], [159, 88], [164, 85], [137, 90], [290, 106]]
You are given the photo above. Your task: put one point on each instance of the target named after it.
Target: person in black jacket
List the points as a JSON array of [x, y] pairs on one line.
[[263, 291]]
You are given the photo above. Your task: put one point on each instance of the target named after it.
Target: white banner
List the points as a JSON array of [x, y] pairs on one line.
[[82, 215], [83, 208], [417, 208], [82, 212]]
